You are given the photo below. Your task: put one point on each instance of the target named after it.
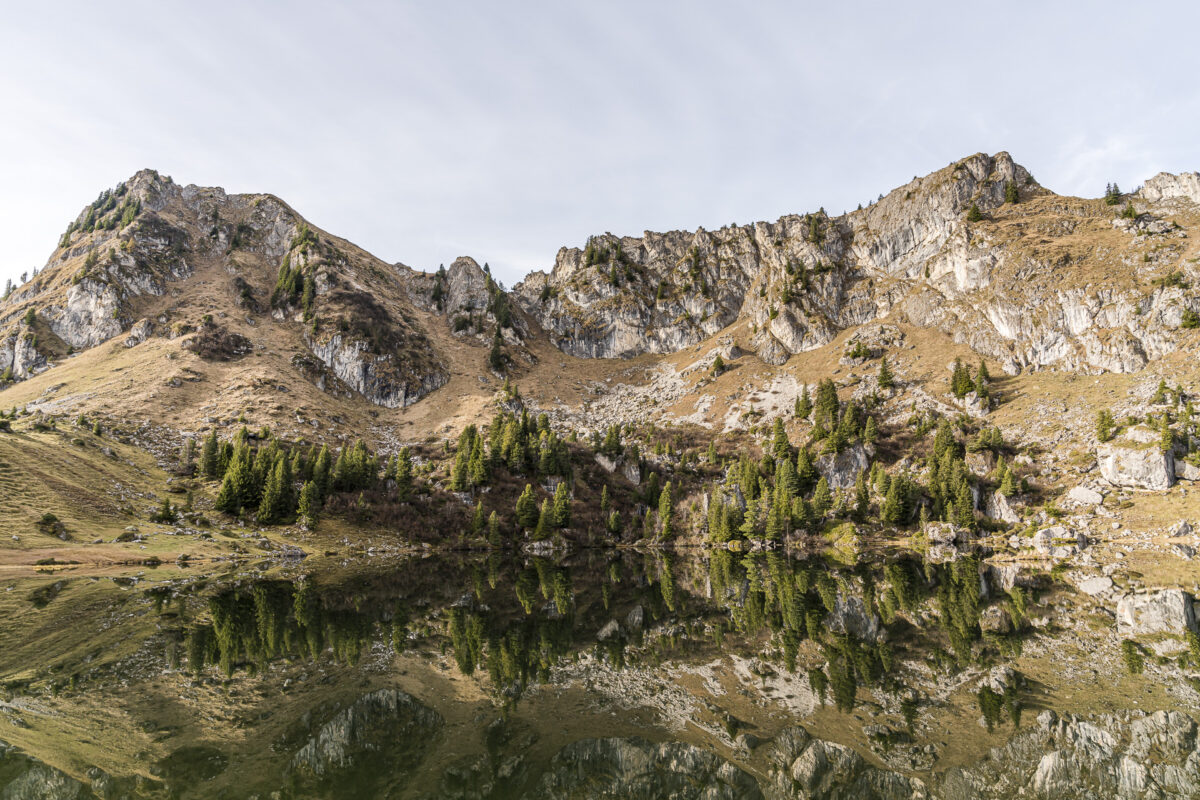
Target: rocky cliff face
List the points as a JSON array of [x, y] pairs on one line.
[[914, 255]]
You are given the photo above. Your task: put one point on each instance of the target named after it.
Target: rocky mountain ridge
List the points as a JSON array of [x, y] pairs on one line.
[[970, 250]]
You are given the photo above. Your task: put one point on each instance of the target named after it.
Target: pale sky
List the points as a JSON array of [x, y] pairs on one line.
[[425, 131]]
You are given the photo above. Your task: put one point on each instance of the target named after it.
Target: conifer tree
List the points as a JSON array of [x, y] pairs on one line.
[[478, 520], [277, 501], [804, 404], [1166, 438], [321, 472], [527, 508], [1105, 425], [403, 475], [1008, 486], [237, 487], [477, 474], [886, 379], [870, 431], [780, 444], [892, 512], [822, 499], [964, 509], [605, 502], [666, 530], [562, 506], [209, 458], [806, 471], [310, 504], [494, 528], [545, 521], [862, 496], [960, 379]]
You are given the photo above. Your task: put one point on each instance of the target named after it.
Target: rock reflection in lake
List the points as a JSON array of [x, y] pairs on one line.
[[609, 673]]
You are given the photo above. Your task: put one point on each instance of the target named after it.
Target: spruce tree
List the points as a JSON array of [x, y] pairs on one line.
[[780, 444], [862, 496], [562, 506], [209, 457], [527, 508], [545, 521], [886, 379], [1011, 195], [804, 404], [477, 474], [403, 475], [1008, 486], [478, 520], [822, 499], [1166, 438], [310, 504], [237, 487], [666, 530], [870, 431], [892, 512], [321, 472], [276, 504], [964, 509]]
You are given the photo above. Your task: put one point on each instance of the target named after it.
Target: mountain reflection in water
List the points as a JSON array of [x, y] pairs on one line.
[[609, 673]]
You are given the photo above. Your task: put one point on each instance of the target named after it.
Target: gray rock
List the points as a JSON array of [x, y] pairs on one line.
[[1164, 611], [1141, 468]]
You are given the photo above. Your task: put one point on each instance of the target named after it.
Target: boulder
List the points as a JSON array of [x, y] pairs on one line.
[[1136, 467], [1187, 472], [1164, 611], [1083, 496], [1096, 585]]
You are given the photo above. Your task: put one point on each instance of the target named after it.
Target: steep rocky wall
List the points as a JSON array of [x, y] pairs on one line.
[[801, 280]]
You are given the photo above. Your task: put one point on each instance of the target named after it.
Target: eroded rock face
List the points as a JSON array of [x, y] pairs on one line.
[[1165, 611], [1165, 186], [378, 378], [633, 767], [841, 469], [381, 735], [19, 357], [803, 767], [1136, 467]]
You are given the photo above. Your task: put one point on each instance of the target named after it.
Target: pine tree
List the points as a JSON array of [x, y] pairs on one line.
[[780, 444], [1011, 195], [711, 455], [822, 499], [1008, 485], [562, 506], [310, 504], [718, 365], [870, 431], [886, 379], [862, 496], [403, 475], [806, 471], [964, 509], [277, 501], [478, 520], [494, 528], [892, 512], [974, 214], [1166, 437], [960, 379], [1160, 394], [321, 472], [496, 355], [605, 502], [804, 404], [209, 459], [545, 521], [827, 405], [237, 487], [666, 530], [477, 474], [527, 508]]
